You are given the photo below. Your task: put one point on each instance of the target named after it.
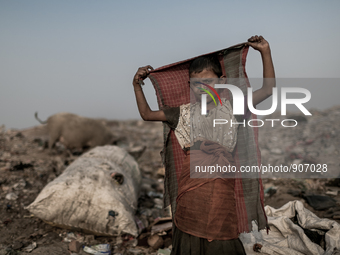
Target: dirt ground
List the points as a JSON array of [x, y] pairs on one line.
[[26, 166]]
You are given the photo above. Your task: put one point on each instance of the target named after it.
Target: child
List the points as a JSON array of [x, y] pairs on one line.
[[206, 224]]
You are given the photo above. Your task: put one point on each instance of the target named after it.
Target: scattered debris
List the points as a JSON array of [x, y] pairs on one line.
[[320, 202], [310, 142], [137, 151], [163, 252], [100, 248], [70, 237], [257, 247], [268, 192], [21, 166], [332, 192], [155, 241], [11, 196], [74, 246], [30, 247], [17, 245], [26, 167], [161, 225]]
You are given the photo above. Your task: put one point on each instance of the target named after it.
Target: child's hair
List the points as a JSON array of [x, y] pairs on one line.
[[205, 62]]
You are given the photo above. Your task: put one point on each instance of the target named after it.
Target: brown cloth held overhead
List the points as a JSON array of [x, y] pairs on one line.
[[206, 207]]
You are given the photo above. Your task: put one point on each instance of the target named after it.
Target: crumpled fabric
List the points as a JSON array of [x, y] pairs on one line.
[[285, 237]]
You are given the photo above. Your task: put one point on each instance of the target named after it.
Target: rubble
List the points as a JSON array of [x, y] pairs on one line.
[[315, 140], [163, 252], [74, 246], [30, 247], [155, 241], [320, 202], [99, 248], [26, 166]]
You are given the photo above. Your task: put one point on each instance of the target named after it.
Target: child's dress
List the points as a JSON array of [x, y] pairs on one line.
[[206, 208]]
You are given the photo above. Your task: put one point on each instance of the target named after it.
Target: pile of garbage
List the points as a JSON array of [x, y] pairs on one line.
[[30, 172], [27, 167], [315, 140]]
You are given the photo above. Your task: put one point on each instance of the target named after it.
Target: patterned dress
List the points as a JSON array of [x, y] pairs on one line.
[[206, 209]]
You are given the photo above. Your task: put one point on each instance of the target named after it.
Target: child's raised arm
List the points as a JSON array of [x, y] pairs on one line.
[[143, 107], [260, 44]]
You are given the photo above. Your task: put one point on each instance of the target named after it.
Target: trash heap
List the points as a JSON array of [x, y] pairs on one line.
[[27, 166], [315, 140]]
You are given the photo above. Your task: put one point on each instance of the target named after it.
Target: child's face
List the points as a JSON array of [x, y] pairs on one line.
[[207, 77]]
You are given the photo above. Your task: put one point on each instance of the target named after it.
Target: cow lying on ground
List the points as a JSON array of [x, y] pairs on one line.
[[76, 132]]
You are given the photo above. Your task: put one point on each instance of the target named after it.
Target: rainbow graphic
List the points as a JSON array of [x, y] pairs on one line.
[[212, 89]]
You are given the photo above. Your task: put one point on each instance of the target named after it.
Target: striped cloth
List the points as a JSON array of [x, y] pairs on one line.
[[172, 90]]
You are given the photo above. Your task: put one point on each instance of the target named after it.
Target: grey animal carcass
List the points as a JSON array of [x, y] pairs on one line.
[[76, 132]]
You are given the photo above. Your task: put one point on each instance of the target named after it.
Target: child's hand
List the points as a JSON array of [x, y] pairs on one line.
[[259, 43], [141, 74]]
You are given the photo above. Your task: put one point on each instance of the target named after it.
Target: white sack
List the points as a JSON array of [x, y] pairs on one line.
[[285, 237], [84, 194]]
